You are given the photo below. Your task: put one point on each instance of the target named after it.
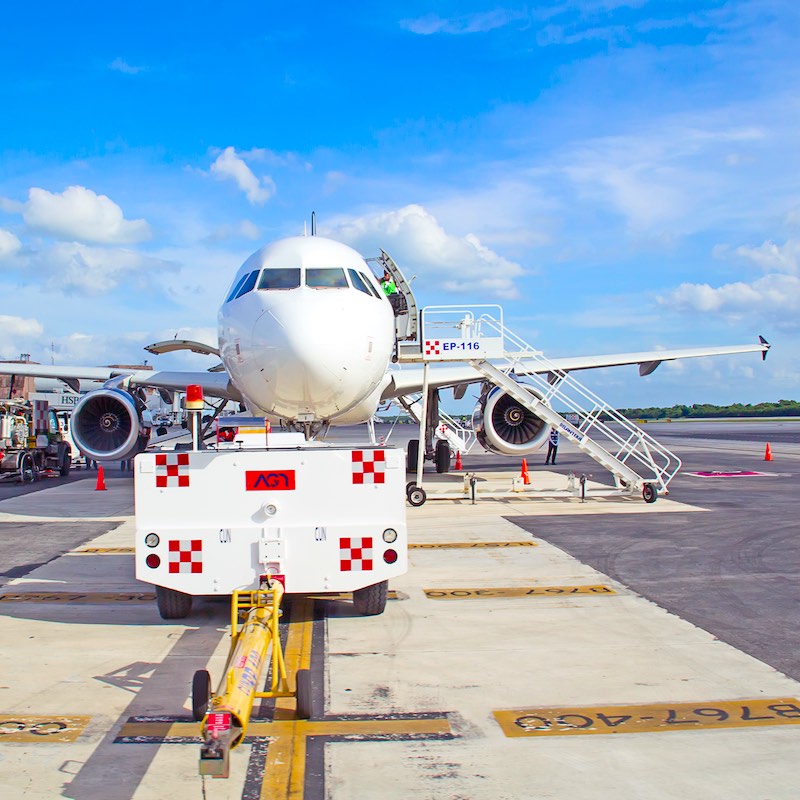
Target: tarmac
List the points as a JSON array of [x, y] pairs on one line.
[[504, 667]]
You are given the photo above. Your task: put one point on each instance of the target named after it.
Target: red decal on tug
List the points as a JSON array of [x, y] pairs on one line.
[[186, 555], [355, 554], [369, 466], [269, 480], [172, 470]]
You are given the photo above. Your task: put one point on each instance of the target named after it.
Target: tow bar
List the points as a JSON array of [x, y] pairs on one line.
[[226, 714]]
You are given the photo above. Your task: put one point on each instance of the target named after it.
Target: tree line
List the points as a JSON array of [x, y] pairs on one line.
[[783, 408]]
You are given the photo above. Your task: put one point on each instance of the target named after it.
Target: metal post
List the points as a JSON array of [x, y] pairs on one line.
[[422, 423]]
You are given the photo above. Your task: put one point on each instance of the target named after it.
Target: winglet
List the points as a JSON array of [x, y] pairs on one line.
[[767, 346]]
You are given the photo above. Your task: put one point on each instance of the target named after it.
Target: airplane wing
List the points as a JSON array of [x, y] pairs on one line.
[[215, 384], [409, 380]]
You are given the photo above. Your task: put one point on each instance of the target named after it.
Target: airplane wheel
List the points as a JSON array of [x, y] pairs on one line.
[[172, 604], [412, 454], [201, 694], [649, 493], [371, 600], [303, 698], [442, 456], [416, 496]]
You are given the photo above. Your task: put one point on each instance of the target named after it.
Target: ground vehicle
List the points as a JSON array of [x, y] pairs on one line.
[[31, 441]]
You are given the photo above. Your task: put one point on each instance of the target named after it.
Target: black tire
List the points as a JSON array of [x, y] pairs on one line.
[[173, 604], [371, 600], [409, 486], [649, 493], [27, 468], [412, 455], [442, 456], [416, 496], [303, 698], [201, 694], [66, 462]]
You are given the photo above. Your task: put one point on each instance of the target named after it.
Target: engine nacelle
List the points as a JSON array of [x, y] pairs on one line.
[[504, 426], [107, 425]]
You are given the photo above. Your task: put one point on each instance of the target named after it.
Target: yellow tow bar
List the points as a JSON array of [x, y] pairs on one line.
[[226, 714]]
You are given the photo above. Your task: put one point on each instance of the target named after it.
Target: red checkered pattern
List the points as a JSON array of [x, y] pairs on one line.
[[355, 555], [369, 466], [172, 470], [186, 555], [432, 348]]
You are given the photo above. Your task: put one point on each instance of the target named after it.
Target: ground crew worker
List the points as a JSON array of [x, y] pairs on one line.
[[387, 284], [552, 447]]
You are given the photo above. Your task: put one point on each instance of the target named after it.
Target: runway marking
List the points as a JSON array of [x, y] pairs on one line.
[[466, 545], [734, 474], [70, 598], [390, 595], [649, 718], [516, 591], [287, 756], [102, 551], [35, 729]]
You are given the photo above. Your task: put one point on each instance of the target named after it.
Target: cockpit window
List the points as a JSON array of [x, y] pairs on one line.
[[288, 278], [236, 287], [357, 281], [248, 284], [326, 278]]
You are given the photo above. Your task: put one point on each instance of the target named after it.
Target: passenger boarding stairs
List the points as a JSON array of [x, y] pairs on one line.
[[637, 461]]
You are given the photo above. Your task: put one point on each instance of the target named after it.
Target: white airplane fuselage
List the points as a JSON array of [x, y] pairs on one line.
[[305, 338]]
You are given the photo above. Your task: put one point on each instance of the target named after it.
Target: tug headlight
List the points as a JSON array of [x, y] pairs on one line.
[[152, 540], [390, 535]]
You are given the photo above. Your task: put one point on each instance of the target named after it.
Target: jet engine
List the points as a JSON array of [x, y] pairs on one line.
[[110, 425], [504, 426]]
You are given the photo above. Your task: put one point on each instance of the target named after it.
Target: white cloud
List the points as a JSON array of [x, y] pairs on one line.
[[118, 65], [80, 214], [241, 230], [468, 23], [774, 258], [414, 238], [230, 166], [774, 299], [9, 244], [11, 206], [74, 267], [16, 334]]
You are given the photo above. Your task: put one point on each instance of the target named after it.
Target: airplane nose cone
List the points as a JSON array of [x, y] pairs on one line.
[[317, 363]]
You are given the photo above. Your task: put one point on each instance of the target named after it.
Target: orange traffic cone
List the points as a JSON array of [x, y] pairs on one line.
[[101, 480], [526, 479], [458, 464], [768, 453]]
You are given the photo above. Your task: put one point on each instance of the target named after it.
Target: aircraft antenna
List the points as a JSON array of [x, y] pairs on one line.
[[313, 223]]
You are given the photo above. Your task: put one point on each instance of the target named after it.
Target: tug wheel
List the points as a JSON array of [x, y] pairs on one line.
[[27, 468], [201, 694], [303, 694], [649, 493], [371, 600], [172, 604]]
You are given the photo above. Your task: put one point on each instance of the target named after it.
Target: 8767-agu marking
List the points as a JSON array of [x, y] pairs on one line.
[[649, 718]]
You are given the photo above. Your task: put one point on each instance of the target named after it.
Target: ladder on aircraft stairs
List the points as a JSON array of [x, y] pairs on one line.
[[638, 462]]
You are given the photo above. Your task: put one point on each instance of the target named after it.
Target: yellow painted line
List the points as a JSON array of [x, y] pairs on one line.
[[284, 773], [466, 545], [102, 551], [390, 595], [649, 718], [69, 598], [286, 729], [34, 729], [517, 591]]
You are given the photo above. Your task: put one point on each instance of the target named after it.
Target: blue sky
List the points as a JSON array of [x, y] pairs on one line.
[[619, 174]]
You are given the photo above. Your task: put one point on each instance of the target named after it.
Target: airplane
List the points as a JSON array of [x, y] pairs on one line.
[[308, 339]]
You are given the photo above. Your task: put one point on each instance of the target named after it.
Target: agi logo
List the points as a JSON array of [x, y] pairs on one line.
[[270, 480]]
